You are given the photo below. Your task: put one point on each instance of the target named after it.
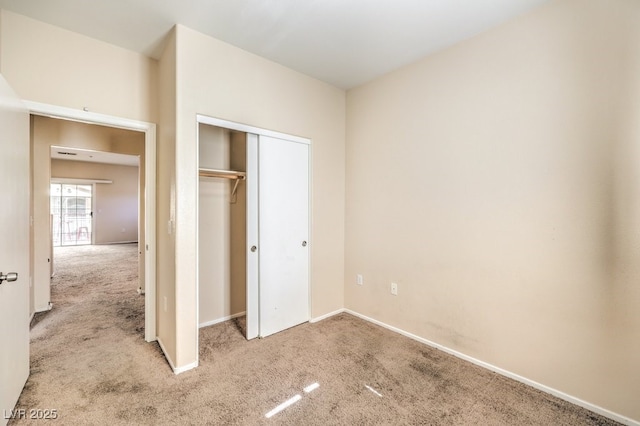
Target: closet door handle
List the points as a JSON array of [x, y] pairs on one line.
[[9, 277], [253, 249], [304, 244]]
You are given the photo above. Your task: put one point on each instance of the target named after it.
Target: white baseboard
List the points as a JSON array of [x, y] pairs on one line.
[[223, 319], [591, 407], [170, 361], [108, 243], [325, 316], [185, 368], [45, 309]]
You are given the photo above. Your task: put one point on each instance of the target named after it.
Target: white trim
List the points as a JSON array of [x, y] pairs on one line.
[[150, 178], [325, 316], [223, 319], [45, 309], [197, 237], [116, 242], [79, 181], [94, 204], [252, 264], [310, 240], [232, 125], [168, 358], [54, 111], [185, 368], [149, 129], [591, 407]]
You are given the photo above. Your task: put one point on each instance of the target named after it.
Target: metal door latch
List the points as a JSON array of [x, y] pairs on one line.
[[10, 277]]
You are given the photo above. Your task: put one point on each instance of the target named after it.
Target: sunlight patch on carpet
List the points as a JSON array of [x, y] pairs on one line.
[[373, 390], [312, 387], [289, 402]]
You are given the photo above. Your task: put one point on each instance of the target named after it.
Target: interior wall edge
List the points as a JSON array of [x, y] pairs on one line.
[[564, 396], [176, 370]]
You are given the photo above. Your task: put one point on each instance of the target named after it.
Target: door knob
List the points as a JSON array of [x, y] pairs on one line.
[[304, 244], [253, 249], [10, 277]]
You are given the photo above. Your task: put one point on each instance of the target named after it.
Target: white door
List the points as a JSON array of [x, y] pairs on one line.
[[283, 229], [253, 289], [14, 248]]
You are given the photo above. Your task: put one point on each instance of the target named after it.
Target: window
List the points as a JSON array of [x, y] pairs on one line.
[[71, 214]]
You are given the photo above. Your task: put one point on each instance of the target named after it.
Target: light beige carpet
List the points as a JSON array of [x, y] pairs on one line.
[[90, 363]]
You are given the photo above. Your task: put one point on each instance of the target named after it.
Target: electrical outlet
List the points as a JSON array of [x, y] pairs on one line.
[[394, 289], [359, 279]]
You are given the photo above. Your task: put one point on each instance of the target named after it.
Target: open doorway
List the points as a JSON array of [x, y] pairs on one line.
[[67, 128], [94, 183]]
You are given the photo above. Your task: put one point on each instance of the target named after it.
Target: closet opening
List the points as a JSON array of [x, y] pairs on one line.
[[253, 228], [222, 223]]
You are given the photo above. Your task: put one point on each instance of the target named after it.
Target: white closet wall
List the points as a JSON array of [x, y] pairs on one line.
[[221, 228]]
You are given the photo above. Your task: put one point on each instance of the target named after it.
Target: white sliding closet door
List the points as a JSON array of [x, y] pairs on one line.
[[283, 220], [253, 273]]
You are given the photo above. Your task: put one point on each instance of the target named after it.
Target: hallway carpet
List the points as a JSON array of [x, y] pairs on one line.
[[90, 363]]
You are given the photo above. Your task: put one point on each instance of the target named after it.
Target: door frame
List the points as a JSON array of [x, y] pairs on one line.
[[253, 134], [149, 130]]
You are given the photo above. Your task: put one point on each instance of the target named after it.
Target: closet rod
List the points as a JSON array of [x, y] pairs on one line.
[[226, 174]]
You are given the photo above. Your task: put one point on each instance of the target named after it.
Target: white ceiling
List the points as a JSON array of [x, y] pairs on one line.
[[76, 154], [343, 42]]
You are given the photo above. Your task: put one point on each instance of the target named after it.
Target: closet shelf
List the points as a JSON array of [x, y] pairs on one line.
[[225, 174]]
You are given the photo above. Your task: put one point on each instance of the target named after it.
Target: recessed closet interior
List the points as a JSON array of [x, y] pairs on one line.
[[222, 218], [253, 228]]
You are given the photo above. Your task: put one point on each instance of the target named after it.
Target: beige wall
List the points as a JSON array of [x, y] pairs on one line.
[[46, 132], [238, 228], [221, 228], [497, 183], [116, 204], [166, 202], [222, 81], [51, 65], [196, 74]]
